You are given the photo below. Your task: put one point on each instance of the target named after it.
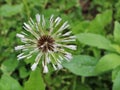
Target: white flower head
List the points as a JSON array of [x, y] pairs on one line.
[[50, 40]]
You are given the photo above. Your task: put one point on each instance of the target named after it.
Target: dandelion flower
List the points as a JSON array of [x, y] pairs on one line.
[[49, 40]]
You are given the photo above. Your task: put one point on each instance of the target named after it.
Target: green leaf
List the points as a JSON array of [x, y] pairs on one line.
[[9, 83], [115, 47], [101, 20], [10, 10], [23, 72], [107, 62], [97, 25], [81, 65], [117, 7], [94, 40], [115, 72], [117, 32], [9, 65], [38, 2], [35, 81], [116, 83], [80, 26]]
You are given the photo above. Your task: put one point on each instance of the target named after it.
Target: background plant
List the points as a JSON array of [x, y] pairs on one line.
[[96, 62]]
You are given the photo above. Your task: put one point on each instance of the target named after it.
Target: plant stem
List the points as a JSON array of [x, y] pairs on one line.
[[45, 81], [26, 8], [82, 80]]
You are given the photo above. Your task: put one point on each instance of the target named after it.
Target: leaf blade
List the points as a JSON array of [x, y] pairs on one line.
[[107, 62], [36, 79], [82, 65], [94, 40], [117, 32]]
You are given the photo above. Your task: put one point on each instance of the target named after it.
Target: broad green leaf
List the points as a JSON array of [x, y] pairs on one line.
[[23, 72], [115, 47], [94, 40], [81, 65], [80, 27], [117, 32], [97, 25], [9, 65], [117, 7], [107, 62], [116, 82], [115, 73], [9, 10], [9, 83], [101, 20], [35, 81]]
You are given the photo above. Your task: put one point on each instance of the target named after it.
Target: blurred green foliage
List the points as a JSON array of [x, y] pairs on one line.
[[96, 26]]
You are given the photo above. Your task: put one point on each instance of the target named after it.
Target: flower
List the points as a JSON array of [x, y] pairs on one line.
[[50, 40]]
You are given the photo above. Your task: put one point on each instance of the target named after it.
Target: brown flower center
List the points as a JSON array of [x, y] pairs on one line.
[[46, 43]]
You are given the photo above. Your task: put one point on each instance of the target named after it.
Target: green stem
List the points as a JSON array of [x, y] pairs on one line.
[[74, 83], [45, 3], [45, 81], [26, 8], [82, 80]]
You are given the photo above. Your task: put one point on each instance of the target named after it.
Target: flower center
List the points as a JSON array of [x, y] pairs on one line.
[[46, 43]]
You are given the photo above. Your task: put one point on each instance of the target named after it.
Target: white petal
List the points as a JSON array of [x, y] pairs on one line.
[[55, 48], [35, 50], [20, 55], [48, 59], [67, 33], [32, 22], [37, 59], [29, 29], [38, 18], [20, 35], [24, 33], [37, 27], [64, 26], [57, 21], [27, 26], [43, 63], [60, 57], [51, 18], [29, 57], [73, 47], [45, 69], [33, 67], [25, 49], [55, 68], [58, 61], [59, 34], [28, 40], [68, 56], [72, 37], [70, 40], [19, 47], [43, 21], [59, 66], [51, 23]]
